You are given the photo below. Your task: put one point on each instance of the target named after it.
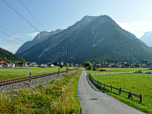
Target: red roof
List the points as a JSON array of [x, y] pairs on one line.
[[3, 62]]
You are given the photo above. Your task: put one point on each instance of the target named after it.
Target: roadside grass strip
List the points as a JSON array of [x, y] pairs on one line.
[[56, 97], [6, 74], [136, 83]]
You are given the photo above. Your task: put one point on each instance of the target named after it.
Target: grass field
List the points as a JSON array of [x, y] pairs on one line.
[[136, 83], [118, 70], [53, 97], [6, 74]]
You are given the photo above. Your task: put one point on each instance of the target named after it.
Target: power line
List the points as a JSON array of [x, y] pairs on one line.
[[23, 41], [13, 33], [38, 21], [27, 22], [30, 13], [20, 15], [11, 36]]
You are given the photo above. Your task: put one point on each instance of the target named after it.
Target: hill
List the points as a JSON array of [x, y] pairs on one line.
[[8, 56], [92, 38]]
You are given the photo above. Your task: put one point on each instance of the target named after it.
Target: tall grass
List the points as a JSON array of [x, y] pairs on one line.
[[57, 98]]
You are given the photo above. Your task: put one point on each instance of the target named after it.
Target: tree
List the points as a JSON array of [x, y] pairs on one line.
[[88, 65]]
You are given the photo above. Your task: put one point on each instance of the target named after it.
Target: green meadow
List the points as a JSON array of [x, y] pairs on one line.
[[6, 74], [135, 82]]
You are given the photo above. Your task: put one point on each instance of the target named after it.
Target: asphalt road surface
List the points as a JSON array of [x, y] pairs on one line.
[[94, 101]]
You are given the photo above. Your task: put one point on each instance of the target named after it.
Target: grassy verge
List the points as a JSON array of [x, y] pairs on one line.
[[57, 97], [136, 83], [6, 74], [75, 93]]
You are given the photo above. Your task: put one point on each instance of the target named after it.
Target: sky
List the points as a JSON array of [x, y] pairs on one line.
[[134, 16]]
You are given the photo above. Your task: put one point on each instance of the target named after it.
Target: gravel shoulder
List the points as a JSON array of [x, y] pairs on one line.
[[93, 101]]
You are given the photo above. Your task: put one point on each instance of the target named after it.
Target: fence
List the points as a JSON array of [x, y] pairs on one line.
[[99, 84]]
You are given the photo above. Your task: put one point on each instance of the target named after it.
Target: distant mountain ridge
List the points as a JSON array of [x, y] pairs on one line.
[[147, 38], [93, 38], [38, 39]]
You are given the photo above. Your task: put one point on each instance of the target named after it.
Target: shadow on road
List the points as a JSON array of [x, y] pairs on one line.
[[91, 85]]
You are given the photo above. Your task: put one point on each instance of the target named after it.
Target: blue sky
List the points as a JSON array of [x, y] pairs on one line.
[[132, 15]]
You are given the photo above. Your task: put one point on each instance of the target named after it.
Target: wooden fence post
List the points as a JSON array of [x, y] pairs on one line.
[[30, 78], [140, 98], [111, 87], [119, 91], [58, 72], [130, 95]]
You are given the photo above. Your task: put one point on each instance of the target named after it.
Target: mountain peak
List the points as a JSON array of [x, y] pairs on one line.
[[147, 38]]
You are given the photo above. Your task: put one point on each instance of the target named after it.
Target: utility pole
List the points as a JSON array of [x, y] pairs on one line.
[[67, 60]]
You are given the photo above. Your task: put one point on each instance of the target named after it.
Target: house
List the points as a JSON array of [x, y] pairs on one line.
[[77, 64], [34, 64], [119, 65], [42, 65], [62, 63], [3, 64], [133, 65], [125, 65], [97, 65], [105, 65], [10, 65], [52, 65]]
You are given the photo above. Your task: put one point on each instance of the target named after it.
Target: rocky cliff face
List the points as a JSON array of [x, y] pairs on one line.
[[90, 39], [147, 38], [38, 39]]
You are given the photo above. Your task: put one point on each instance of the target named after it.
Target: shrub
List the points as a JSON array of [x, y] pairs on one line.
[[94, 68], [88, 65]]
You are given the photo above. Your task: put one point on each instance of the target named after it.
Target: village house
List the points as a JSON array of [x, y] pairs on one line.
[[34, 64], [134, 65], [43, 65], [3, 64], [96, 65], [52, 65]]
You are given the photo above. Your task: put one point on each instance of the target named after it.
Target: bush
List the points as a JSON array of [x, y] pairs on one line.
[[88, 65], [94, 68]]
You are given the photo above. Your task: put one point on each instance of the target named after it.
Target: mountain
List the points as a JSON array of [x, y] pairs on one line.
[[90, 39], [147, 38], [38, 39], [8, 56]]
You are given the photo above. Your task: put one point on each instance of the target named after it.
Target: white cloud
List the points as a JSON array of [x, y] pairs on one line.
[[24, 36], [33, 34], [136, 25], [11, 47], [138, 28]]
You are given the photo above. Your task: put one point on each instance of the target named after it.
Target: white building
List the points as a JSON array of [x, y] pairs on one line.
[[52, 65]]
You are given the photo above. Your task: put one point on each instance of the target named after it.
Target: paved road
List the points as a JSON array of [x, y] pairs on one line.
[[104, 103]]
